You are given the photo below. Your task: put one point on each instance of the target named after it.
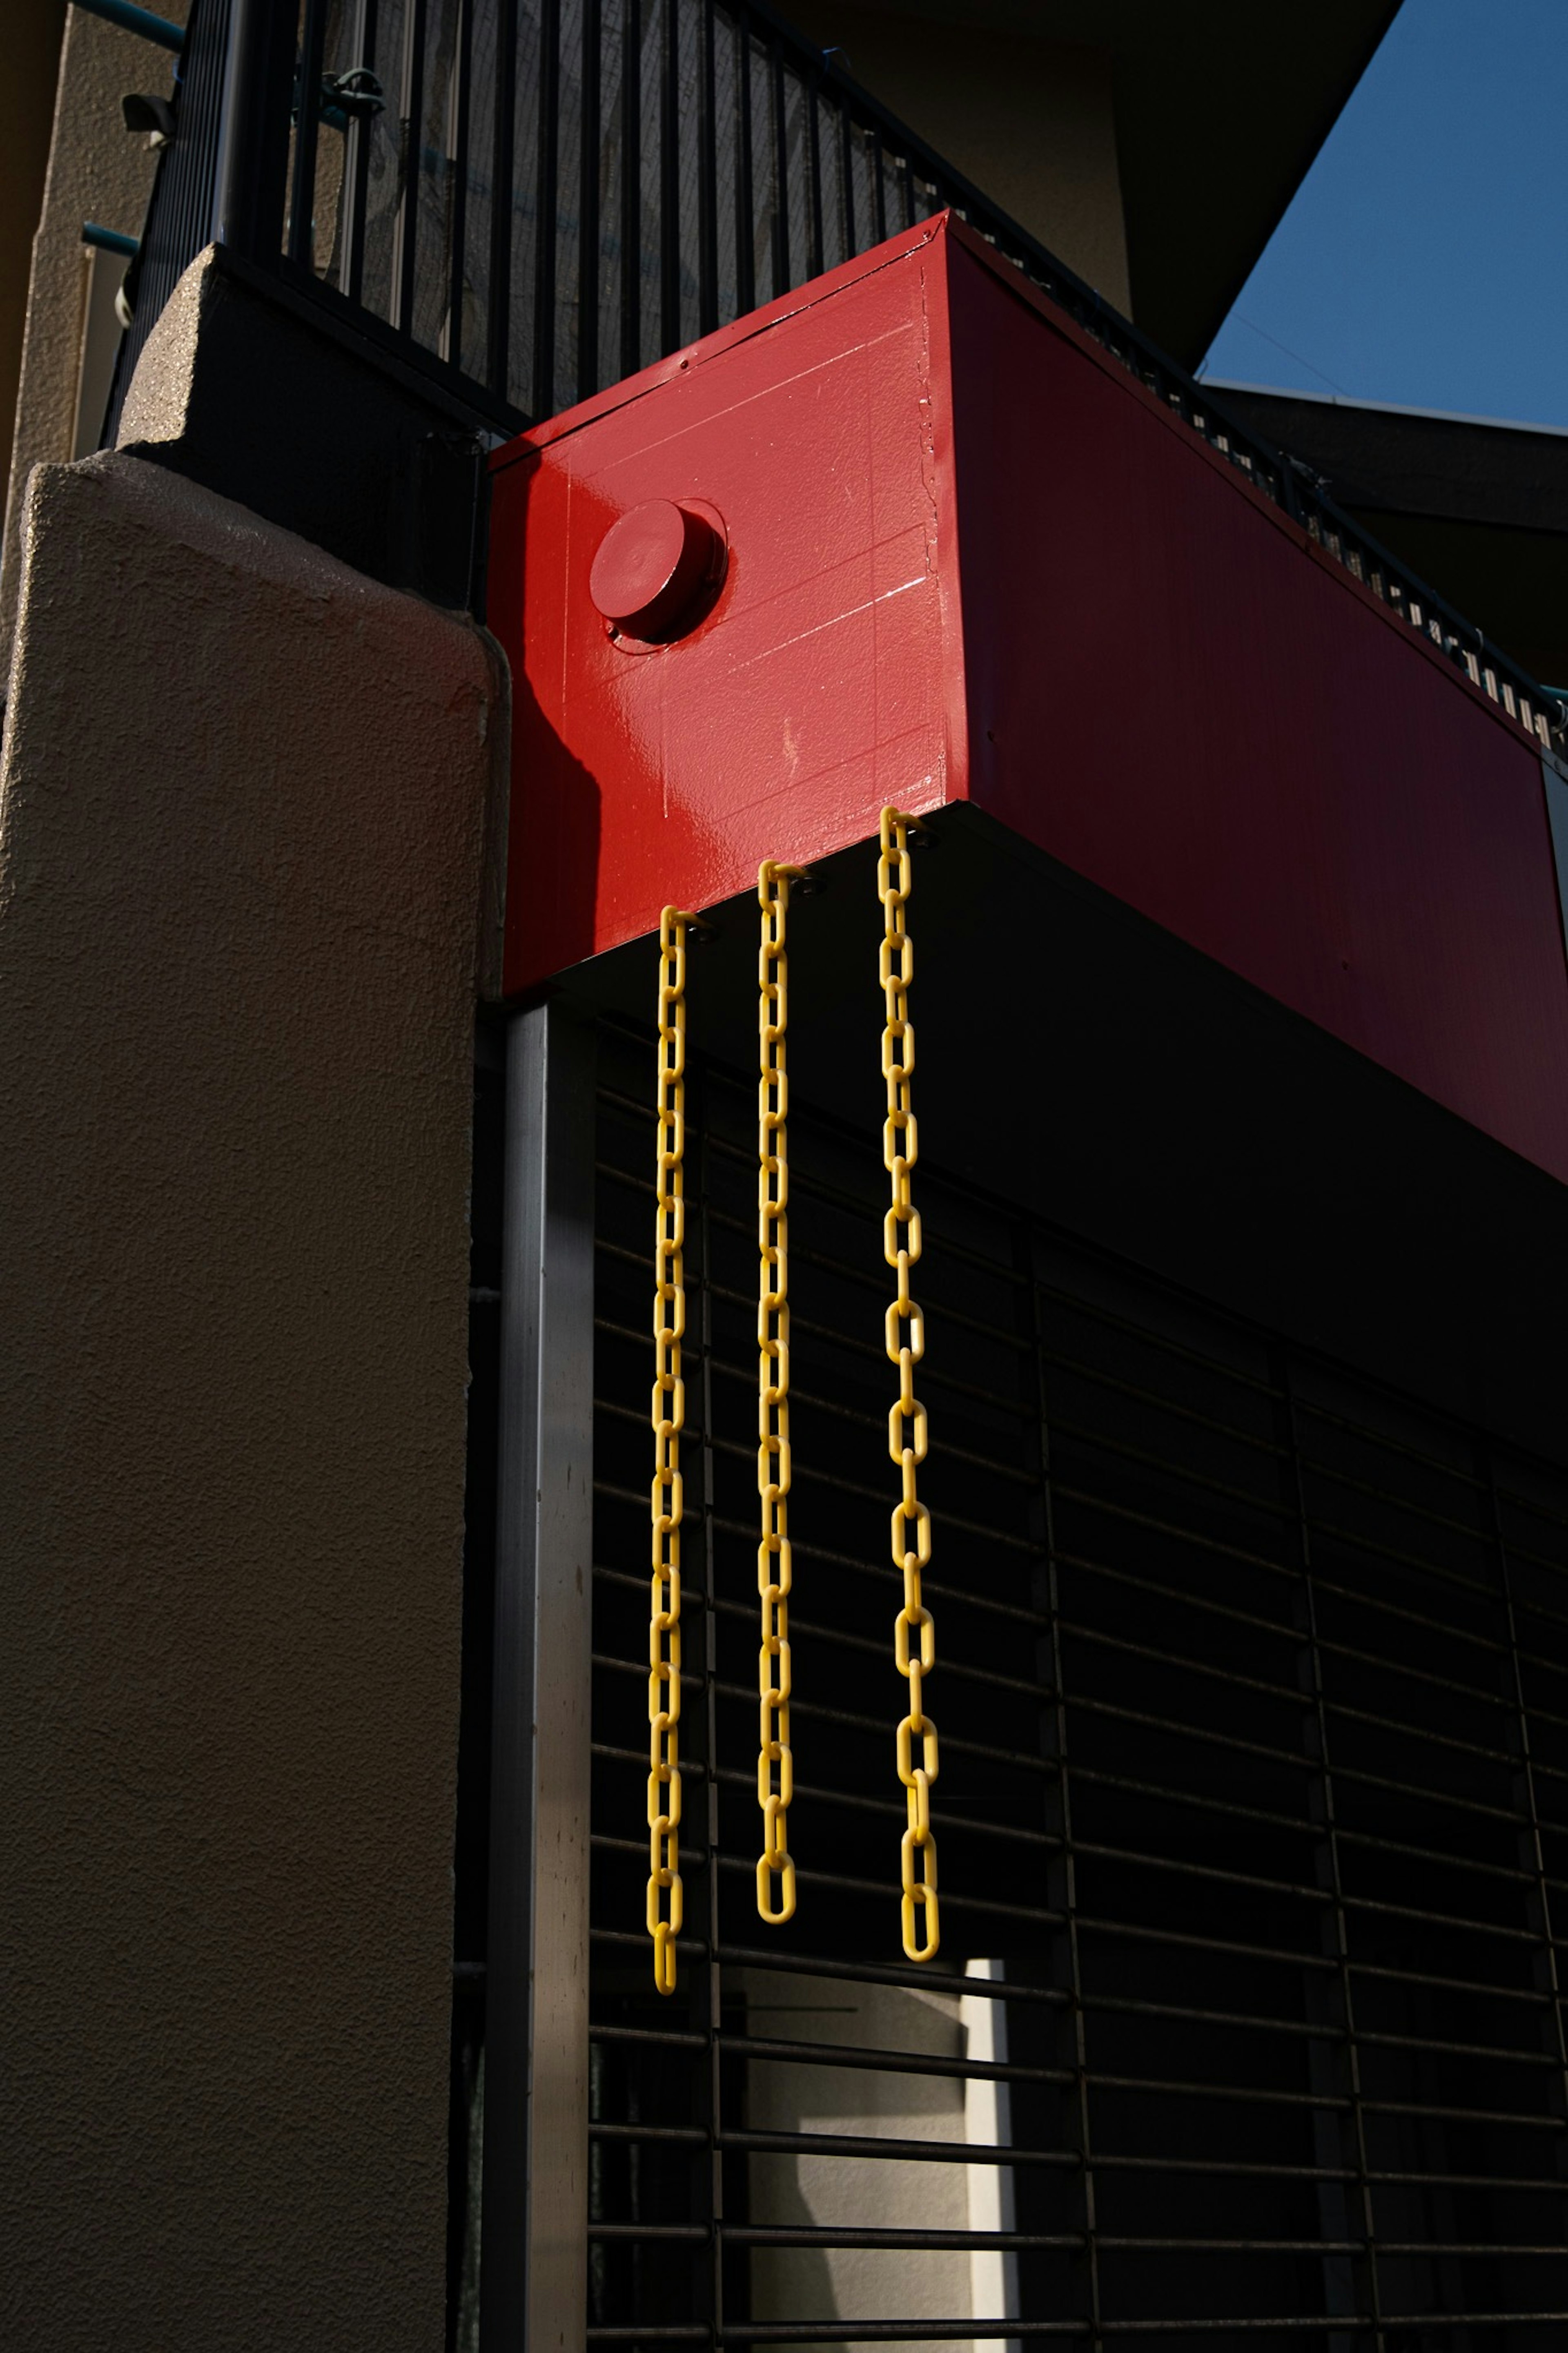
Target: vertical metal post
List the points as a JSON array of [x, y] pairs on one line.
[[405, 241], [779, 119], [814, 264], [707, 177], [361, 47], [252, 169], [1548, 1975], [458, 112], [1047, 1599], [631, 187], [302, 205], [847, 179], [1372, 2314], [670, 178], [533, 2274], [878, 187], [546, 210], [504, 202], [745, 172], [589, 238]]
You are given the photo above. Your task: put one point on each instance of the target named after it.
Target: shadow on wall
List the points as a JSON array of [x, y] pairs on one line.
[[813, 2191]]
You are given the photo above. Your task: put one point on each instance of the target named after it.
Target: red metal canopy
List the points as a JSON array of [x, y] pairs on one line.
[[908, 535]]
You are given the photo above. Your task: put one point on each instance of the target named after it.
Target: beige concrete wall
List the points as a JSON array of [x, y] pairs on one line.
[[98, 171], [1029, 121], [815, 2192], [241, 812]]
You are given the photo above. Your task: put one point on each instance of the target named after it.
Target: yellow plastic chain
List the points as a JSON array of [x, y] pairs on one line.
[[914, 1631], [668, 1419], [775, 1766]]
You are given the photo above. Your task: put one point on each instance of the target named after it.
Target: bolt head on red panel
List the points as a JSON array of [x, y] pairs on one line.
[[653, 568]]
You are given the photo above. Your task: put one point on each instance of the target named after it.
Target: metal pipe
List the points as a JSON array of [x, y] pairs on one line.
[[129, 18], [110, 240]]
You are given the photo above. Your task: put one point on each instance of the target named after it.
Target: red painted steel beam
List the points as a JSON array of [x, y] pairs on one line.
[[909, 535]]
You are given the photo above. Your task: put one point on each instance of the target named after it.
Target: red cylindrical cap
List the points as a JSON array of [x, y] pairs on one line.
[[650, 568]]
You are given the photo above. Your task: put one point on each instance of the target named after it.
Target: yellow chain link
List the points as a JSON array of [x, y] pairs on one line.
[[668, 1418], [904, 1329], [775, 1766]]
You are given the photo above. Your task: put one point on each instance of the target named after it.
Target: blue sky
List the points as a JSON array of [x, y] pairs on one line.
[[1424, 259]]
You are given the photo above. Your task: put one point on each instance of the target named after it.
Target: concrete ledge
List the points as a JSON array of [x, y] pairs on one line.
[[250, 391]]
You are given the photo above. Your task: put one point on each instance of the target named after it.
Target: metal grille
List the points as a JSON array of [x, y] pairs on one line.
[[1254, 1703]]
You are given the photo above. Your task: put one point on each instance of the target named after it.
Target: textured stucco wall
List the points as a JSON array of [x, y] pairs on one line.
[[1029, 121], [241, 818], [98, 171]]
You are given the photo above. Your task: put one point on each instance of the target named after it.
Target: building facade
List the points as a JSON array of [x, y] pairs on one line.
[[583, 475]]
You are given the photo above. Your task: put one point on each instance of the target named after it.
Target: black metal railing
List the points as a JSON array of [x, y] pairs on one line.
[[528, 200]]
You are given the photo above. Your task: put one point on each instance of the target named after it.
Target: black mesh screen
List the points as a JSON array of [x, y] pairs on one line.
[[1252, 1690]]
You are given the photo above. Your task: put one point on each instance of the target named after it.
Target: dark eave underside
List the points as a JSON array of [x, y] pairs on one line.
[[1219, 114]]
